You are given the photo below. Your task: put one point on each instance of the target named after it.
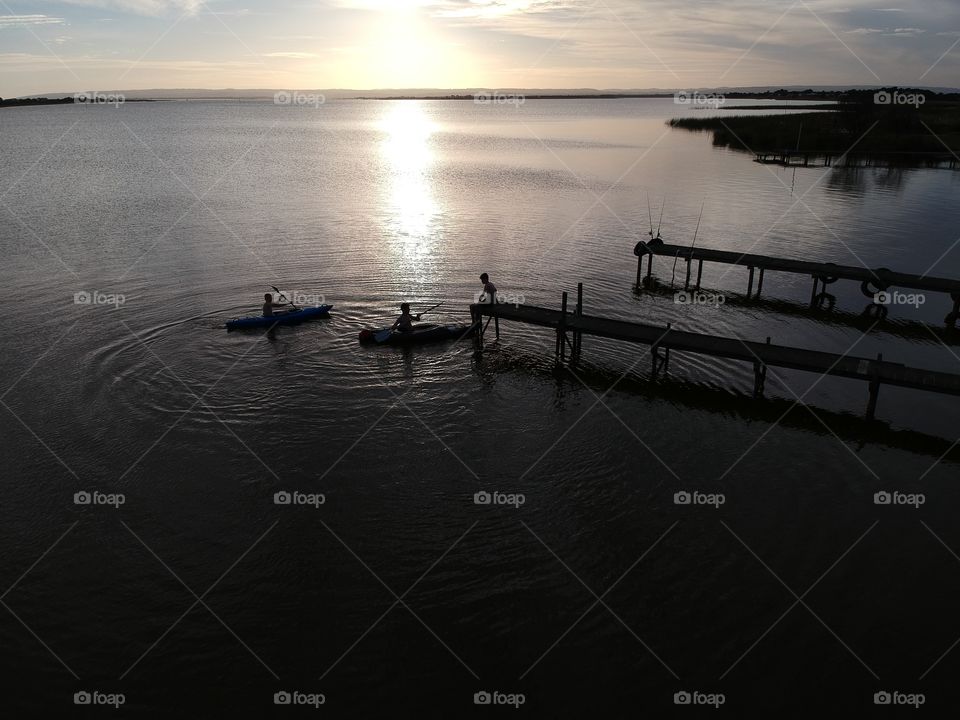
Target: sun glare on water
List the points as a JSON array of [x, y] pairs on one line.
[[409, 157]]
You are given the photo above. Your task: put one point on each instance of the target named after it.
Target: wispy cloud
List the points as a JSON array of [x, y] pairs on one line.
[[294, 55], [142, 7], [8, 21]]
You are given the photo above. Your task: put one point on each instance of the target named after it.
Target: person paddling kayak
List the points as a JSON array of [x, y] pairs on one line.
[[404, 323], [269, 305]]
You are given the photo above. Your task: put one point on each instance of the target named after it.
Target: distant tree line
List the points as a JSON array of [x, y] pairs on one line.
[[13, 102]]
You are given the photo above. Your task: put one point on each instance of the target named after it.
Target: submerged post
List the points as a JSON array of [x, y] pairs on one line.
[[759, 376], [561, 330], [577, 335], [477, 318], [874, 388]]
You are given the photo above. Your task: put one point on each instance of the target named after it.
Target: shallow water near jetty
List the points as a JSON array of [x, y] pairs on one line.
[[191, 211]]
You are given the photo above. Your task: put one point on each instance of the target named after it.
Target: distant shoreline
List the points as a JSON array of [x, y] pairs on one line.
[[30, 102], [692, 96], [781, 96]]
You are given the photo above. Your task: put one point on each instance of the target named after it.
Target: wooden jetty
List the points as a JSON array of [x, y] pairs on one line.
[[571, 326], [872, 282], [824, 158]]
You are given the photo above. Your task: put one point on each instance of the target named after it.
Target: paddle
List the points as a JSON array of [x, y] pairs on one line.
[[277, 290], [431, 308], [384, 335]]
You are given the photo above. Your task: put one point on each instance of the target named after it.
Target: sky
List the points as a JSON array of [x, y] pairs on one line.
[[81, 45]]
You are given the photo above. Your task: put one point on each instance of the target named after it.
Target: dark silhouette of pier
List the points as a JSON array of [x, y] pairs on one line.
[[571, 326], [872, 282]]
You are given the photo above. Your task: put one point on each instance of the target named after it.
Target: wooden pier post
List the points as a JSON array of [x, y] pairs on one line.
[[874, 388], [750, 284], [478, 334], [577, 335], [759, 284], [561, 331], [699, 274], [666, 354], [639, 270], [686, 283], [759, 377]]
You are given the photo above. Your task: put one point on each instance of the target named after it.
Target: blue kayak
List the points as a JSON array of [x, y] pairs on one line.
[[285, 318]]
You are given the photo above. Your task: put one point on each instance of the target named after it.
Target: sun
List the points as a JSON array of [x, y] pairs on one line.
[[402, 49]]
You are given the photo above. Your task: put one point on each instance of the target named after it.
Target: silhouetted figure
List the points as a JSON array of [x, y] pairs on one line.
[[269, 305], [489, 295], [404, 323]]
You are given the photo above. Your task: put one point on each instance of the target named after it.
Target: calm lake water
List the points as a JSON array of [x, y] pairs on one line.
[[199, 595]]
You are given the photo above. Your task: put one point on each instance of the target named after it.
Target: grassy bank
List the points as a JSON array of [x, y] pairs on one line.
[[933, 126]]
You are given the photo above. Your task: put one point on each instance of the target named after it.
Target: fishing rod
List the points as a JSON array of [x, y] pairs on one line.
[[677, 254], [649, 215]]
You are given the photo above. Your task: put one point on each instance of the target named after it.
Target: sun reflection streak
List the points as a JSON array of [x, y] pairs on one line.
[[413, 211]]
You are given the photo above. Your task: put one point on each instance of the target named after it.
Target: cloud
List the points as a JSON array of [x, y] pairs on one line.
[[492, 8], [460, 8], [7, 21], [294, 55], [143, 7]]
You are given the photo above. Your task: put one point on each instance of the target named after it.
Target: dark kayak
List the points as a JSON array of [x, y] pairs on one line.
[[285, 318], [419, 334]]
